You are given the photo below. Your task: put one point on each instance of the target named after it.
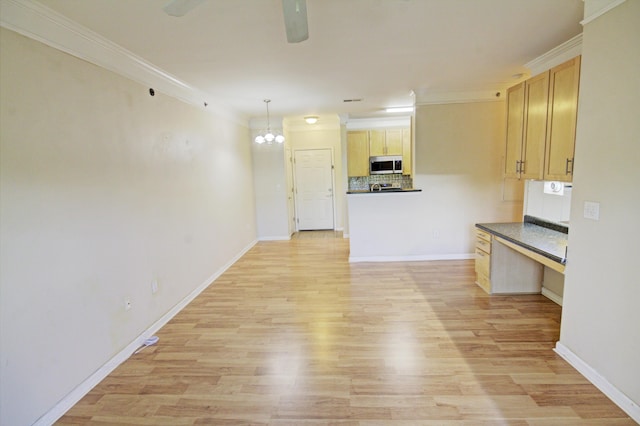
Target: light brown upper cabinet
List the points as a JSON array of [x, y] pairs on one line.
[[385, 142], [394, 142], [535, 126], [541, 123], [376, 143], [361, 144], [406, 152], [515, 125], [564, 83], [358, 153], [527, 128]]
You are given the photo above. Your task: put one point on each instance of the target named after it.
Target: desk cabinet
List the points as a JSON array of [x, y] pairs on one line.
[[483, 260], [502, 270]]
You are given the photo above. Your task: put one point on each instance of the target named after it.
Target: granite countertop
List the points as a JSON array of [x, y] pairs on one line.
[[395, 190], [548, 239]]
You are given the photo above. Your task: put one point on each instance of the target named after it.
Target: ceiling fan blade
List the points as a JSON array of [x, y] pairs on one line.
[[295, 20], [180, 7]]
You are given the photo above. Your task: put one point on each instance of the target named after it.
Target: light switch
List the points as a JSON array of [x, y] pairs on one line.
[[592, 210]]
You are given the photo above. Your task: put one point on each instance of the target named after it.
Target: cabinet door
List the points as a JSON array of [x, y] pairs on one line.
[[515, 126], [394, 142], [358, 153], [564, 82], [483, 260], [377, 143], [406, 152], [535, 126]]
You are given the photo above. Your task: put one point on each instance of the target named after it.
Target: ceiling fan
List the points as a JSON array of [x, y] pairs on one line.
[[295, 16]]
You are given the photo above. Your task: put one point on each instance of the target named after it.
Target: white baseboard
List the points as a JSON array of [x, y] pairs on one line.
[[551, 295], [83, 388], [411, 258], [619, 398]]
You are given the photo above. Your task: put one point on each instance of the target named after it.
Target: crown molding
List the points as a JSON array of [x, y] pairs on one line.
[[36, 21], [596, 8], [556, 56], [489, 95], [378, 122]]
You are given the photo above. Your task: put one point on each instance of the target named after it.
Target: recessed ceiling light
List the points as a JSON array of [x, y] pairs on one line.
[[311, 119]]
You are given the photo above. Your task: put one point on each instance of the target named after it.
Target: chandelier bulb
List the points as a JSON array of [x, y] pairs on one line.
[[269, 137]]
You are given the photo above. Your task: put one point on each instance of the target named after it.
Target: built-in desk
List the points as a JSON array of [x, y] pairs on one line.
[[510, 257]]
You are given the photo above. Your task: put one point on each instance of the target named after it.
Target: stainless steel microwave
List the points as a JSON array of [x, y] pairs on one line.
[[387, 164]]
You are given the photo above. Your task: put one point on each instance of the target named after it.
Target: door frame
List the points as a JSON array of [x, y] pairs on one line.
[[295, 183], [291, 196]]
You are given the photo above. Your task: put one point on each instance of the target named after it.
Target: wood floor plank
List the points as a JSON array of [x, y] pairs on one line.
[[293, 334]]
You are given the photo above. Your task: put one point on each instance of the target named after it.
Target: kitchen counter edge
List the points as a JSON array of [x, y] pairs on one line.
[[543, 238]]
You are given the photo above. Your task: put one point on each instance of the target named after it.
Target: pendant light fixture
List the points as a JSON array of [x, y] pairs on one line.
[[269, 137]]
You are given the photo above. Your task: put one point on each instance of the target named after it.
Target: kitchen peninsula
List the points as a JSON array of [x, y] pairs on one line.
[[381, 223]]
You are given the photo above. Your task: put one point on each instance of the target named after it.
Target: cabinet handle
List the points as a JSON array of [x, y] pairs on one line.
[[518, 166], [522, 166], [566, 166]]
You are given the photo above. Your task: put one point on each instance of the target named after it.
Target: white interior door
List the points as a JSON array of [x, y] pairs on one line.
[[314, 188]]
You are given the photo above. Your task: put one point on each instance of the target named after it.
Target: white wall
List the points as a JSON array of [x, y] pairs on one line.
[[458, 167], [271, 191], [600, 317], [103, 189]]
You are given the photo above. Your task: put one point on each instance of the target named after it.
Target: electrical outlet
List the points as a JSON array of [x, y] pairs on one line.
[[592, 210], [127, 303], [154, 286]]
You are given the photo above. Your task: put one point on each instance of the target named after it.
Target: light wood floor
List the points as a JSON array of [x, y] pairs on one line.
[[317, 234], [292, 334]]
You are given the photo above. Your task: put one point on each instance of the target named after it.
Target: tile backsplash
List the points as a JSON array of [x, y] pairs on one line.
[[362, 182]]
